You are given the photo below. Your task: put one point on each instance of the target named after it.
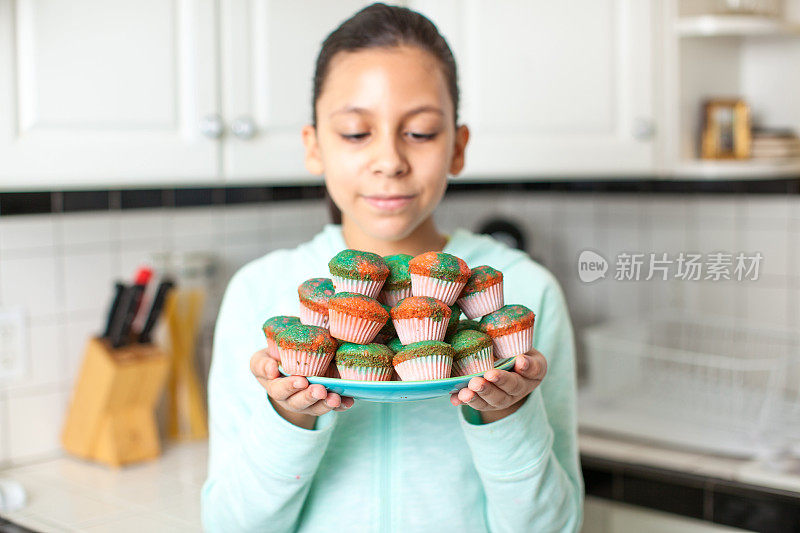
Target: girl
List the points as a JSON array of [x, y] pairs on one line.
[[284, 455]]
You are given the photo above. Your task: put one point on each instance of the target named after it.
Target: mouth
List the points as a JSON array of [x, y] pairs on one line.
[[389, 202]]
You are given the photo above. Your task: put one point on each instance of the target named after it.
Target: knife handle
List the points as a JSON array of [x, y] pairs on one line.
[[119, 288], [155, 310], [120, 334]]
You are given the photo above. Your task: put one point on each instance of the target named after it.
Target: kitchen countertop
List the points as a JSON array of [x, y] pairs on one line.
[[68, 494]]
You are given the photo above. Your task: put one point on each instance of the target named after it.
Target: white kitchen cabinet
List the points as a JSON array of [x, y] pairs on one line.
[[102, 93], [553, 89], [269, 49]]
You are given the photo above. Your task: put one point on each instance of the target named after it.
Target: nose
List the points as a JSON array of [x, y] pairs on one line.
[[388, 158]]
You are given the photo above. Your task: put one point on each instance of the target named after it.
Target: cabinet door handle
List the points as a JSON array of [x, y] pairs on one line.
[[243, 128], [211, 126], [644, 129]]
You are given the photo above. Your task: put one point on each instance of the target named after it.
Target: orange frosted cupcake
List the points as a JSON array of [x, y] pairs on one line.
[[511, 330], [305, 350], [275, 325], [420, 318], [439, 275], [355, 318], [483, 293], [424, 360], [358, 272], [314, 295]]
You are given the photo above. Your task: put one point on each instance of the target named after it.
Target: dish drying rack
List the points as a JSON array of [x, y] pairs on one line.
[[695, 382]]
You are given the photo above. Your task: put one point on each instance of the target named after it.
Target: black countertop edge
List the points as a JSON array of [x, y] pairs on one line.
[[41, 202], [716, 500], [10, 527]]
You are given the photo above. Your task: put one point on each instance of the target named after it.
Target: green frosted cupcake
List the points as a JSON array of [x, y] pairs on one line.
[[424, 360], [474, 352], [358, 272], [439, 275], [398, 284], [395, 345], [364, 362], [274, 325], [305, 350]]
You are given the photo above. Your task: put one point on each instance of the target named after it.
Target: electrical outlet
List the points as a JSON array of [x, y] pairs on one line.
[[13, 346]]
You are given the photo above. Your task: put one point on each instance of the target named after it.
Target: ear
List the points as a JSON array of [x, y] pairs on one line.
[[462, 137], [313, 160]]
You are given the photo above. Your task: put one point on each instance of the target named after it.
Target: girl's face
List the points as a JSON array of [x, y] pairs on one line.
[[385, 139]]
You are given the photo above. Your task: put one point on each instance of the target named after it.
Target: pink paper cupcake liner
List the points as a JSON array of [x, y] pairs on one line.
[[310, 317], [419, 329], [516, 343], [482, 302], [352, 328], [358, 286], [302, 363], [446, 291], [272, 348], [393, 297], [480, 361], [425, 368], [365, 373]]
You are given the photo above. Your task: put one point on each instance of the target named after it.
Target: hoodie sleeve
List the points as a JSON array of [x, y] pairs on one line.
[[528, 461], [260, 466]]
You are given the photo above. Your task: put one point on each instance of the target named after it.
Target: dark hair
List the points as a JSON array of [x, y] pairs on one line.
[[382, 26]]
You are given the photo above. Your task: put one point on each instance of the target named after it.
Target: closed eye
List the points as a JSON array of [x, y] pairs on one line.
[[354, 136], [422, 136]]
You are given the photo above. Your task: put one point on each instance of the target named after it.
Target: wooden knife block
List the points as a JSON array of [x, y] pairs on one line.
[[111, 415]]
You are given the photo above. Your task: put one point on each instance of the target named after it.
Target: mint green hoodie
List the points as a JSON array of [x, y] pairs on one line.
[[423, 466]]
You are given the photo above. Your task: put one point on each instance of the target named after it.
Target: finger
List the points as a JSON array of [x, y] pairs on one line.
[[454, 399], [347, 403], [532, 365], [509, 382], [257, 361], [472, 399], [303, 400], [282, 389], [333, 400], [489, 393]]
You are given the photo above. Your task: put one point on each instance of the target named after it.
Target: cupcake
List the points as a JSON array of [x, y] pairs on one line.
[[468, 324], [358, 272], [452, 324], [420, 318], [387, 332], [511, 330], [305, 350], [364, 362], [424, 360], [314, 295], [398, 284], [483, 292], [395, 345], [275, 325], [439, 275], [473, 352], [355, 317]]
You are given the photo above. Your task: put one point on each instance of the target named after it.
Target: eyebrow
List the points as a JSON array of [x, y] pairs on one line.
[[415, 111]]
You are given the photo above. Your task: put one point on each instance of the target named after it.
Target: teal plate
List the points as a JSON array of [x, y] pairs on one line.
[[399, 391]]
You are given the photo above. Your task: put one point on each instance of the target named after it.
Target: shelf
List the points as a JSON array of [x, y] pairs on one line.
[[734, 25], [750, 169]]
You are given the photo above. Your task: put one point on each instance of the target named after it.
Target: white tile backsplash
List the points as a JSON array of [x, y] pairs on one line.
[[30, 282], [61, 268], [35, 424]]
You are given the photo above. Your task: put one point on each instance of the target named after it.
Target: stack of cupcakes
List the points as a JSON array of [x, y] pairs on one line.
[[377, 316]]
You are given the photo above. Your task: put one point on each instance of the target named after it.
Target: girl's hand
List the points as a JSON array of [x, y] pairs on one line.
[[499, 392], [293, 398]]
